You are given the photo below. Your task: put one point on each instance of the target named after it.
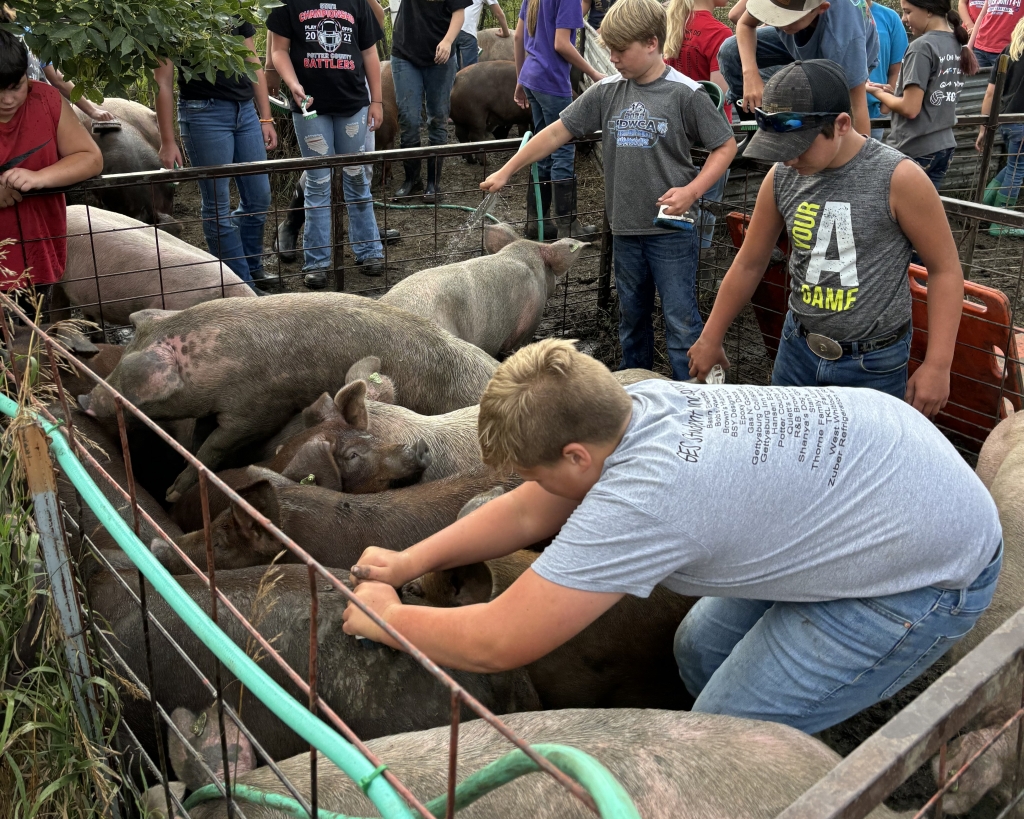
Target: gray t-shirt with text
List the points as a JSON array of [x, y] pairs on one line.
[[848, 255], [648, 131], [776, 493], [932, 62]]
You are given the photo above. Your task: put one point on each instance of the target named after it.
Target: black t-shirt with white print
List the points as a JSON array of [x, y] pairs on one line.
[[420, 26], [327, 41]]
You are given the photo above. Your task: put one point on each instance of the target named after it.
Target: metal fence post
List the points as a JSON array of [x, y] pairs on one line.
[[604, 279], [42, 485], [986, 159]]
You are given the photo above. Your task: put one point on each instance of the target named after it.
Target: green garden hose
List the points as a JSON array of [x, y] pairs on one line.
[[610, 797]]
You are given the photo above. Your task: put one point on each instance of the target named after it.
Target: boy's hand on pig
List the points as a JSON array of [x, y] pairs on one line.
[[380, 598], [23, 180], [495, 182], [383, 566], [679, 200], [704, 355]]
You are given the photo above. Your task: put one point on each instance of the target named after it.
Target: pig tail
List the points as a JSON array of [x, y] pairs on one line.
[[968, 62], [531, 17]]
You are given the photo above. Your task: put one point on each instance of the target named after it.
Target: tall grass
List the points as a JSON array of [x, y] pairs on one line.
[[48, 766]]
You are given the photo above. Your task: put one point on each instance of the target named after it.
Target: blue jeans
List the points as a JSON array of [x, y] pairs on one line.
[[667, 261], [218, 132], [772, 54], [415, 85], [545, 109], [884, 370], [1011, 177], [986, 59], [325, 135], [466, 49], [812, 665], [936, 165]]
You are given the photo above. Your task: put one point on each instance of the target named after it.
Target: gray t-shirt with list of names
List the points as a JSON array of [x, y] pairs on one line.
[[932, 62], [776, 493], [647, 132]]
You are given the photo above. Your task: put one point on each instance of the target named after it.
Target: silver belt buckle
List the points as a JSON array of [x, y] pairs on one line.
[[824, 347]]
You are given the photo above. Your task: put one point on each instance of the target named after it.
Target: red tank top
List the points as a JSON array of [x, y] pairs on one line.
[[37, 224]]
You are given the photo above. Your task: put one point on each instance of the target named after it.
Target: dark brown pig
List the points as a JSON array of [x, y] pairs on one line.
[[451, 438], [495, 301], [375, 689], [334, 527], [332, 456], [118, 265], [493, 47], [100, 358], [253, 363], [623, 659], [482, 103], [672, 765]]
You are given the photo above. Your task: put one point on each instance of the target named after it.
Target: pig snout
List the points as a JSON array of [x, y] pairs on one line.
[[409, 463], [421, 453], [83, 402]]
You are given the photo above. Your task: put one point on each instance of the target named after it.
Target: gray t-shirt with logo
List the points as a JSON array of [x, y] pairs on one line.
[[848, 255], [648, 131], [932, 62], [776, 493]]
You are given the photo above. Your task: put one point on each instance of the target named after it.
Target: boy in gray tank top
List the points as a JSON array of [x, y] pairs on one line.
[[853, 211]]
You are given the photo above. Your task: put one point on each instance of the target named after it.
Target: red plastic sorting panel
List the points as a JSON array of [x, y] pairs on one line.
[[977, 382]]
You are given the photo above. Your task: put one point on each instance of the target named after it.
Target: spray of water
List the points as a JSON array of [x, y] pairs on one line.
[[464, 241]]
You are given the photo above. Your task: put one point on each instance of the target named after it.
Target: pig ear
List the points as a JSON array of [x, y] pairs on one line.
[[321, 410], [148, 376], [263, 497], [363, 368], [351, 403], [186, 766], [497, 236], [559, 257], [140, 318], [472, 584], [476, 502]]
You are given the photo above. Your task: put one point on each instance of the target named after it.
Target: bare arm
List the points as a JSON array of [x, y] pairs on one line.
[[964, 9], [499, 14], [533, 617], [909, 105], [444, 48], [986, 109], [80, 158], [164, 76], [567, 51], [511, 522], [859, 105], [736, 12], [977, 24], [586, 4], [273, 78], [746, 43], [719, 79], [918, 209], [283, 64], [740, 281], [543, 144], [262, 97], [371, 63], [91, 110]]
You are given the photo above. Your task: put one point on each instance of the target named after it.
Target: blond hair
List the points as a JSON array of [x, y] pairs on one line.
[[633, 21], [677, 16], [1017, 41], [544, 397], [531, 17]]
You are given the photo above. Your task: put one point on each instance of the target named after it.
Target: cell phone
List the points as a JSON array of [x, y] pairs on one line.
[[682, 222]]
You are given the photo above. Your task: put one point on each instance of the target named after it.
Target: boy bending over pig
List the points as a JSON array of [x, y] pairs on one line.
[[650, 116], [815, 523]]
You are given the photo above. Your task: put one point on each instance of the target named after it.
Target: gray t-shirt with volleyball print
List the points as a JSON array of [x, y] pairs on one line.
[[932, 62], [776, 493], [848, 255], [647, 133]]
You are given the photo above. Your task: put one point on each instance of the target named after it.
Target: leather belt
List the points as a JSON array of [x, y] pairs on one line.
[[830, 350]]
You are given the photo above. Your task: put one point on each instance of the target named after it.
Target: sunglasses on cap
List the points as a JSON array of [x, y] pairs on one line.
[[787, 121]]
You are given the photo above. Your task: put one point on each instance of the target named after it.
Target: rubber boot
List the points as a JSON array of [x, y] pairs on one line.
[[991, 190], [565, 207], [433, 192], [1002, 201], [532, 224], [412, 184]]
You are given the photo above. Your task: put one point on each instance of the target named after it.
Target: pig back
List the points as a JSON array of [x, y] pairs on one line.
[[127, 265], [493, 47], [355, 681], [673, 765]]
